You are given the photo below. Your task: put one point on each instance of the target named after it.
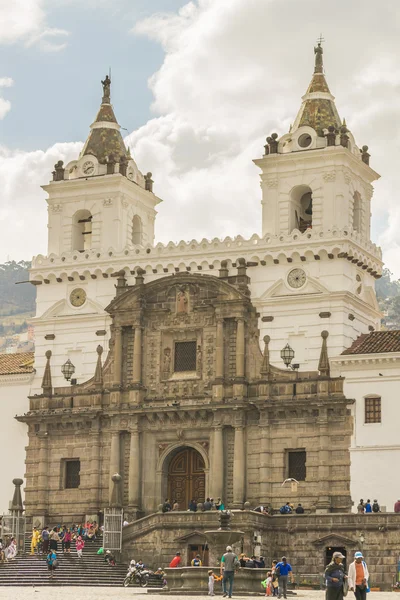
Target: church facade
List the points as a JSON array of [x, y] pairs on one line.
[[183, 397], [186, 406]]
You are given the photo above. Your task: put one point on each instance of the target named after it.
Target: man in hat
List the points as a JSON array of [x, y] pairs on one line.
[[335, 577], [229, 564], [358, 576]]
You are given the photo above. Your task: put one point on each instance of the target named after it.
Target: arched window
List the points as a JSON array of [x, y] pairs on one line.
[[373, 409], [81, 230], [301, 205], [136, 230], [357, 212]]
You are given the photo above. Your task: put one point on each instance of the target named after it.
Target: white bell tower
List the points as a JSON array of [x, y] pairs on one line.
[[100, 201], [316, 195]]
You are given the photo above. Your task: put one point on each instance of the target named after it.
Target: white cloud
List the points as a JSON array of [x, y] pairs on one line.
[[234, 71], [6, 82], [25, 21], [5, 106]]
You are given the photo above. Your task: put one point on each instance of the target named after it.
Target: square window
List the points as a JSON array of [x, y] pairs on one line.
[[72, 474], [185, 356], [373, 410], [297, 464]]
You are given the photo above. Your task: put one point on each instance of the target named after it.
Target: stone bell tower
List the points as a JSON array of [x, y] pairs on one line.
[[100, 206], [316, 204]]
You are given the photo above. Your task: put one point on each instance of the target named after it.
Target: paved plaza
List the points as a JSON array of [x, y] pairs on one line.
[[58, 593]]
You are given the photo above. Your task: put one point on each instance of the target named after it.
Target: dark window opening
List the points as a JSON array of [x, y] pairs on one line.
[[185, 356], [297, 465], [72, 474], [373, 410]]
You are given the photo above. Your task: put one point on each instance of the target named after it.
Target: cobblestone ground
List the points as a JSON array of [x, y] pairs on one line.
[[55, 593]]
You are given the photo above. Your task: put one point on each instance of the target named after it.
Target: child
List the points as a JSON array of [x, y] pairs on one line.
[[79, 544], [268, 587], [211, 577], [51, 560]]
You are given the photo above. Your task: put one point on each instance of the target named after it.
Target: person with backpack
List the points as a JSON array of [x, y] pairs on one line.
[[358, 577], [229, 564], [368, 506], [375, 507], [51, 560]]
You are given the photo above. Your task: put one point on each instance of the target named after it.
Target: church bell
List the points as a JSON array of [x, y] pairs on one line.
[[308, 210]]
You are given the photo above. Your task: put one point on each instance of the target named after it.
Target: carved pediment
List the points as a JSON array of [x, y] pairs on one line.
[[279, 289], [335, 540], [62, 309], [193, 537]]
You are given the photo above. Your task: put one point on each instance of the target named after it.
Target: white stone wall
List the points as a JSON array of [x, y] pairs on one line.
[[14, 391], [375, 448]]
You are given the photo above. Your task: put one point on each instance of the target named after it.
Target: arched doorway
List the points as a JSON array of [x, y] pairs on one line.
[[186, 477]]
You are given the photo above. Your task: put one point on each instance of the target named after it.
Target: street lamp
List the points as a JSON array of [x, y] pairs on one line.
[[68, 369], [287, 355]]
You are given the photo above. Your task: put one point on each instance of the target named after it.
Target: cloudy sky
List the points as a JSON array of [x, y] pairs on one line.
[[197, 86]]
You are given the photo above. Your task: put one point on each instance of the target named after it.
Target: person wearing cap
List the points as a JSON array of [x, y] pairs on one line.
[[335, 577], [284, 570], [176, 561], [358, 577], [229, 563]]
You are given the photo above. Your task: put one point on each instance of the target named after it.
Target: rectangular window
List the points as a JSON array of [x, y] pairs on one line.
[[72, 473], [185, 356], [373, 410], [297, 464]]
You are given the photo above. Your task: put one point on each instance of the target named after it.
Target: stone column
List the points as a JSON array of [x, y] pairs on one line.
[[240, 342], [117, 355], [265, 460], [137, 356], [43, 474], [239, 468], [219, 345], [114, 458], [95, 469], [134, 470], [217, 464], [324, 499]]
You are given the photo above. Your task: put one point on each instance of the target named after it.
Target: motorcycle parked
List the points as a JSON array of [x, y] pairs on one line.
[[137, 575]]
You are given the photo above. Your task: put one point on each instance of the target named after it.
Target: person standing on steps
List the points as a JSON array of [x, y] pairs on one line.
[[229, 564], [45, 538], [67, 541], [35, 539], [283, 570], [51, 560], [79, 544], [54, 539]]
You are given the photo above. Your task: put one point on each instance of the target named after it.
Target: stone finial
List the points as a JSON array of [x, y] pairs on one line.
[[344, 138], [266, 148], [318, 51], [16, 504], [265, 368], [273, 143], [148, 182], [331, 136], [241, 267], [106, 90], [116, 496], [98, 374], [46, 381], [123, 165], [323, 365], [121, 281], [365, 156], [111, 164], [224, 272], [58, 173], [139, 279]]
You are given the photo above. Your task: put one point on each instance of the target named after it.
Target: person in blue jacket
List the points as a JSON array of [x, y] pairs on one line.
[[284, 570], [335, 577]]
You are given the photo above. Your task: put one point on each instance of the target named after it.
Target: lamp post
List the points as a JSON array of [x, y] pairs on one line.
[[68, 369]]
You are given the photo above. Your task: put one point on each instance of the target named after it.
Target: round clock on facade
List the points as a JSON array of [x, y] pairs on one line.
[[77, 297], [131, 175], [296, 278], [88, 167]]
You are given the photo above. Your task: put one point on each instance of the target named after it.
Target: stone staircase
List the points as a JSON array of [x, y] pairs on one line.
[[91, 570]]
